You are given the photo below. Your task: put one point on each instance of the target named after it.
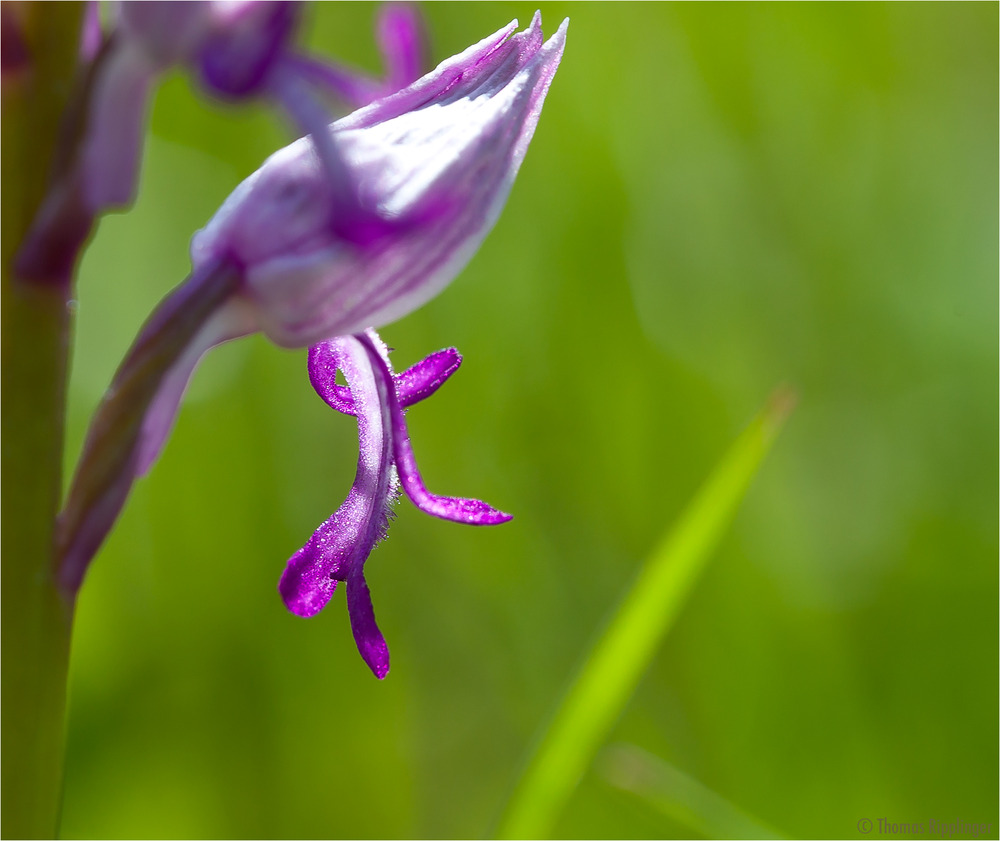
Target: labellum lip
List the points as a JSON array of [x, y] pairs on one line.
[[339, 548]]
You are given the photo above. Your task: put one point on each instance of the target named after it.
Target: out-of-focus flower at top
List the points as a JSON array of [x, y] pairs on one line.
[[338, 549], [333, 235], [236, 49]]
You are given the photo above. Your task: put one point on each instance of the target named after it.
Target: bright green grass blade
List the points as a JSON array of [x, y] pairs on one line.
[[612, 670], [678, 796]]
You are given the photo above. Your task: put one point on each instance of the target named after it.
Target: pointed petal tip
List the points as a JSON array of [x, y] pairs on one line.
[[457, 509], [558, 40], [374, 652], [499, 37], [367, 636], [420, 381], [499, 517], [475, 512], [560, 33], [380, 670], [492, 517]]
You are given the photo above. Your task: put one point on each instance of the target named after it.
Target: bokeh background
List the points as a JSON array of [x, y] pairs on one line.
[[719, 199]]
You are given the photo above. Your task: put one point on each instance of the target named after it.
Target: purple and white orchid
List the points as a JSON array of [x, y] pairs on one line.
[[338, 549], [345, 230]]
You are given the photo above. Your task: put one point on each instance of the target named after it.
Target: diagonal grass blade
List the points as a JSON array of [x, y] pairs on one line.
[[612, 669]]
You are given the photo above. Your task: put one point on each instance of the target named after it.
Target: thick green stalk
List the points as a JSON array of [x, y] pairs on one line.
[[36, 618]]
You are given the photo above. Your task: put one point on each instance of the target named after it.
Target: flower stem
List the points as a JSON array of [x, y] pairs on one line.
[[36, 617]]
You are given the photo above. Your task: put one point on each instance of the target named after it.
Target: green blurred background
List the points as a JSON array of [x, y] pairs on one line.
[[719, 199]]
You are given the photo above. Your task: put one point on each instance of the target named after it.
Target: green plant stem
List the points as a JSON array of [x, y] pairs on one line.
[[612, 669], [36, 617]]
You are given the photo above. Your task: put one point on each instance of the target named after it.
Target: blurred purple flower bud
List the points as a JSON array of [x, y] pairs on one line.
[[338, 549], [113, 143], [401, 38], [248, 39], [91, 33], [233, 45], [237, 50], [15, 57], [166, 32], [151, 36]]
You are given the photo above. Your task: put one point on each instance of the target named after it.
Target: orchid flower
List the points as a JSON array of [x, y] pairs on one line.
[[338, 549], [334, 235]]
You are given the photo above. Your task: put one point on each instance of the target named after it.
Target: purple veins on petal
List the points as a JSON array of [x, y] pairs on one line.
[[424, 174]]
